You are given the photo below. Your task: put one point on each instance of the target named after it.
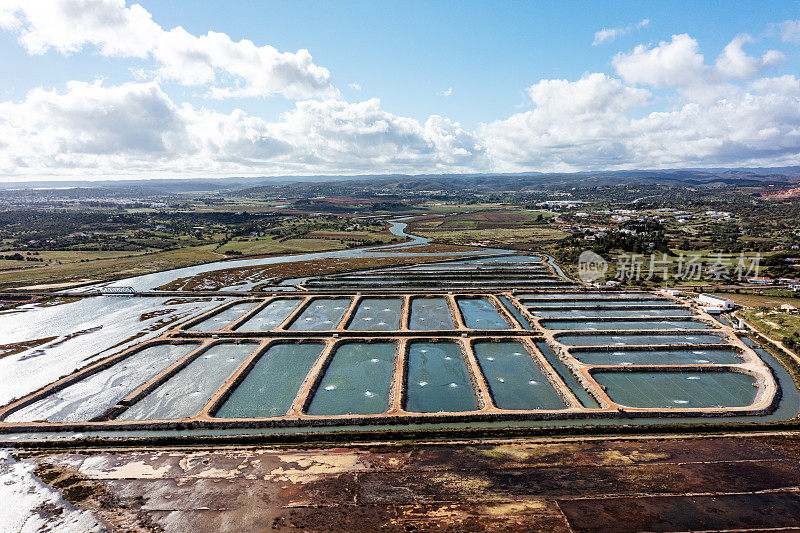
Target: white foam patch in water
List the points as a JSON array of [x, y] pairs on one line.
[[693, 377], [453, 384], [702, 361], [490, 358], [423, 383], [501, 380], [330, 387], [680, 401], [374, 360], [369, 394], [533, 382]]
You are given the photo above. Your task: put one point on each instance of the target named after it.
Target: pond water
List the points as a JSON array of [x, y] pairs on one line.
[[94, 395], [430, 314], [513, 378], [185, 393], [272, 384], [514, 311], [224, 318], [611, 313], [569, 302], [678, 389], [624, 324], [622, 340], [438, 379], [322, 314], [271, 316], [358, 380], [659, 357], [586, 399], [479, 313], [377, 314]]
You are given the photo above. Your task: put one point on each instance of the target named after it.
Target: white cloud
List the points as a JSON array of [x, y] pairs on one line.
[[606, 35], [754, 125], [790, 31], [447, 92], [135, 129], [679, 63], [228, 68], [354, 86]]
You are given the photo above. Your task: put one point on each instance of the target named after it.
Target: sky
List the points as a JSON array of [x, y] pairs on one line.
[[109, 89]]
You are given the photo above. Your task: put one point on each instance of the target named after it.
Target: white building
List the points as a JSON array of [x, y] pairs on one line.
[[718, 302]]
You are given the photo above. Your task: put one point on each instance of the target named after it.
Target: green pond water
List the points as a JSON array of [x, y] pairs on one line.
[[678, 389], [586, 399], [438, 379], [624, 324], [611, 313], [513, 378], [659, 357], [622, 340], [272, 384], [357, 381]]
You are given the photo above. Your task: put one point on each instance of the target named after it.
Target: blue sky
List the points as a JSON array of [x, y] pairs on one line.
[[105, 88]]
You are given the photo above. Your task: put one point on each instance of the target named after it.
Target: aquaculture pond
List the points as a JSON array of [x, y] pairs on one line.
[[571, 303], [271, 316], [185, 393], [514, 311], [357, 381], [272, 384], [622, 340], [624, 324], [377, 314], [225, 317], [430, 314], [513, 378], [94, 395], [567, 377], [659, 357], [322, 314], [585, 295], [479, 313], [678, 389], [438, 379], [611, 313]]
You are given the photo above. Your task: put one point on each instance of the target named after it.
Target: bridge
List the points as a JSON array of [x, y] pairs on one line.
[[118, 291]]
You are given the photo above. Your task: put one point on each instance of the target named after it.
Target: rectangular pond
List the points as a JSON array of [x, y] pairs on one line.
[[513, 378], [634, 340], [611, 313], [589, 303], [624, 324], [224, 318], [678, 389], [357, 381], [479, 313], [430, 314], [377, 314], [94, 395], [659, 357], [271, 316], [438, 379], [584, 295], [323, 314], [272, 384], [185, 393]]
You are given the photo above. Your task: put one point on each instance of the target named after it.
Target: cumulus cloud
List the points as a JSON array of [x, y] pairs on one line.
[[606, 35], [446, 92], [92, 129], [679, 63], [743, 126], [354, 86], [227, 67]]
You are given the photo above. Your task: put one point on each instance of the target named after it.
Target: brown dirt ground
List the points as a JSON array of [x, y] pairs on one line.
[[622, 485]]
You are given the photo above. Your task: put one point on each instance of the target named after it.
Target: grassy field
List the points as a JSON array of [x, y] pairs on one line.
[[489, 227], [109, 268], [761, 300], [775, 324]]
